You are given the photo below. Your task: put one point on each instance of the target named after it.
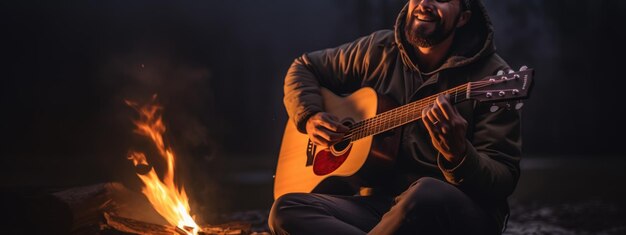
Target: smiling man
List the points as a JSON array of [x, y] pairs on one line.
[[454, 169]]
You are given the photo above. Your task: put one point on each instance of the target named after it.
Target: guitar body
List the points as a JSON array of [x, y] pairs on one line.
[[303, 167]]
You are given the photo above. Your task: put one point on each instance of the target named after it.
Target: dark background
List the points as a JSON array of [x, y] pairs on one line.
[[218, 66]]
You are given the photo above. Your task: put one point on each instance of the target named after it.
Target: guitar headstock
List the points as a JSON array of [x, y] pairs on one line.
[[504, 87]]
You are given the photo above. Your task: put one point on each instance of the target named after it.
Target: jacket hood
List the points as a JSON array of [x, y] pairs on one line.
[[472, 42]]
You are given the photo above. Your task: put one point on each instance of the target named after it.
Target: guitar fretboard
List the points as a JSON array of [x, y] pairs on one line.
[[402, 115]]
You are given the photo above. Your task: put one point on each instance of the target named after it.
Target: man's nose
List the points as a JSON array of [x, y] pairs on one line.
[[426, 5]]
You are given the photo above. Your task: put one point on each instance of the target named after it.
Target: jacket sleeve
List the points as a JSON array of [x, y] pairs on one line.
[[491, 164], [338, 69]]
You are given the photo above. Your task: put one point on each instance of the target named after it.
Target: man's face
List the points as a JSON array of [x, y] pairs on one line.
[[429, 22]]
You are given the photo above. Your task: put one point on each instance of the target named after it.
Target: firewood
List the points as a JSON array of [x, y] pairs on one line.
[[138, 227], [111, 208], [132, 226]]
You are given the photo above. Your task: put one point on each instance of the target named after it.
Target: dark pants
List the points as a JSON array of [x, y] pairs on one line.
[[428, 206]]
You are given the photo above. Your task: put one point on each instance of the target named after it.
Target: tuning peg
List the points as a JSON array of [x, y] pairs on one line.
[[523, 68], [494, 108], [508, 106], [519, 105], [500, 72], [511, 71]]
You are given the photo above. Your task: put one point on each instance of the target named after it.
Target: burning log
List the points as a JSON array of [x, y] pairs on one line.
[[87, 205], [111, 208], [126, 225]]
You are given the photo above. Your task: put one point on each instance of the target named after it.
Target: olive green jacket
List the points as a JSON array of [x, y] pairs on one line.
[[384, 61]]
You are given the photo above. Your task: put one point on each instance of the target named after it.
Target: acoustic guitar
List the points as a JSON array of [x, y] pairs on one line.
[[368, 149]]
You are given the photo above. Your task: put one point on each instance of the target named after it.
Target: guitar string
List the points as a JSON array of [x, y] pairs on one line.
[[383, 119], [405, 110], [393, 118]]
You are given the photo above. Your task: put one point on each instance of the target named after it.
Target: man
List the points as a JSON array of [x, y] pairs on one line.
[[455, 168]]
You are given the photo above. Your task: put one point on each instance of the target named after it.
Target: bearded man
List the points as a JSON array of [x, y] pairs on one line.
[[454, 169]]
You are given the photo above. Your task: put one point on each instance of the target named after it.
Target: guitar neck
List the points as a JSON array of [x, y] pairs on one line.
[[501, 87], [404, 114]]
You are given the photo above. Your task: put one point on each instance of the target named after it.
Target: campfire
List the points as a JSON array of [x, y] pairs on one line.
[[167, 198], [118, 210], [162, 207]]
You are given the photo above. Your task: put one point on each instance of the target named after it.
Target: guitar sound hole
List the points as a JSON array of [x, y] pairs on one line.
[[341, 145], [338, 147]]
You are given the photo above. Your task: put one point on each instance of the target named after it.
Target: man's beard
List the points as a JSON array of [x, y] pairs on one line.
[[419, 38]]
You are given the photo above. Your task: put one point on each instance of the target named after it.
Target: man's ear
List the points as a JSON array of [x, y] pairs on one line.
[[464, 18]]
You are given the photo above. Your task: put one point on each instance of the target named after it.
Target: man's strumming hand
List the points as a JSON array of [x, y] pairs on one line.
[[324, 129]]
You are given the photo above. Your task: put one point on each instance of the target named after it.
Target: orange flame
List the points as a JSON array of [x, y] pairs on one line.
[[164, 196]]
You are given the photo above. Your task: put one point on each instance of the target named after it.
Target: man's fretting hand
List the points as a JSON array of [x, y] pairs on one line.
[[324, 129], [447, 129]]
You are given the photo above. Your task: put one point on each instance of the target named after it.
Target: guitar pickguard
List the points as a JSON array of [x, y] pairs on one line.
[[327, 162]]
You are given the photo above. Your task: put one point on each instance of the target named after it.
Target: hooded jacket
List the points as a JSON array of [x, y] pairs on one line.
[[383, 60]]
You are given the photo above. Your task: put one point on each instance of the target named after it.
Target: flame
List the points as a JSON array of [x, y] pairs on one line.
[[164, 195]]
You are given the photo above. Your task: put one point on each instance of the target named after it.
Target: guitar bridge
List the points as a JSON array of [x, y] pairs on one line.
[[310, 153]]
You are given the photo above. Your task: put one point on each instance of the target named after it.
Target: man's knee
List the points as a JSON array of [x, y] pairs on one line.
[[433, 206], [433, 184], [278, 214], [428, 193], [285, 209]]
